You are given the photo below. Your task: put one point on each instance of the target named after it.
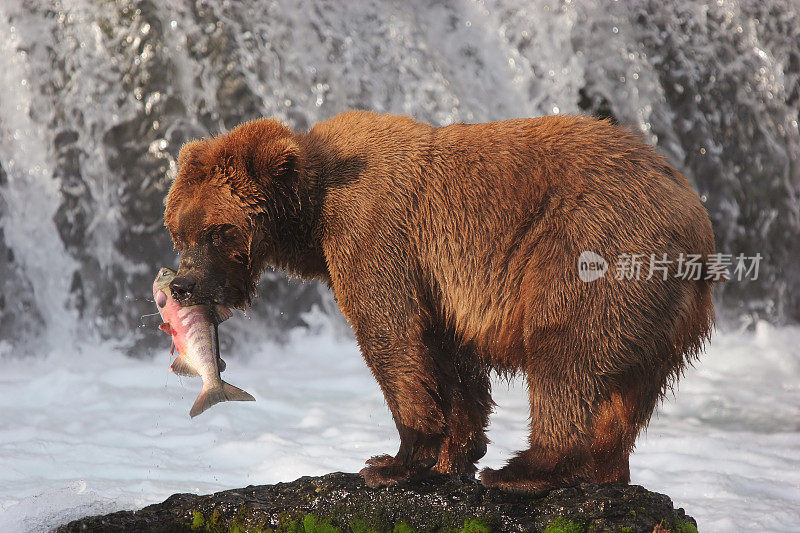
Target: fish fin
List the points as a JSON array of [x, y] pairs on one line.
[[235, 394], [223, 313], [182, 367], [221, 365], [166, 328], [172, 349], [206, 399], [209, 397]]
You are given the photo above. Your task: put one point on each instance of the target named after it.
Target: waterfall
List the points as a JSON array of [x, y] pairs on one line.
[[97, 96]]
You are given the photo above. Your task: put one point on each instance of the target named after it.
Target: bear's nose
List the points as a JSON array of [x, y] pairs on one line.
[[182, 288]]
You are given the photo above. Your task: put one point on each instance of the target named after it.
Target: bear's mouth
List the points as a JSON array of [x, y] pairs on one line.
[[211, 293], [233, 297], [228, 296]]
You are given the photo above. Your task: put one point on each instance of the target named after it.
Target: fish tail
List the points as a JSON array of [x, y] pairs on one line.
[[206, 399], [235, 394], [226, 393]]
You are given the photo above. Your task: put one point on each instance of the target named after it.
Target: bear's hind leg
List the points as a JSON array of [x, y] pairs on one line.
[[617, 420]]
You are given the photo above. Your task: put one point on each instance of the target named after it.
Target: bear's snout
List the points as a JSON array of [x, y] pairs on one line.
[[183, 288]]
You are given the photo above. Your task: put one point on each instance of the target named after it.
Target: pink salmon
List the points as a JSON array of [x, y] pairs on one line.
[[194, 335]]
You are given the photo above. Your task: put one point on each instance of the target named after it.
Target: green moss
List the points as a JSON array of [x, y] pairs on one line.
[[626, 529], [310, 523], [563, 525], [214, 521], [291, 526], [315, 524], [241, 522], [476, 525], [361, 526], [682, 526], [403, 527], [198, 520]]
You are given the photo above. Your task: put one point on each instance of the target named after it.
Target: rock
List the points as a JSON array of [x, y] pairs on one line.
[[342, 502]]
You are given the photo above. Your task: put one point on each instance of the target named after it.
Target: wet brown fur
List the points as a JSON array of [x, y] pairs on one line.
[[453, 251]]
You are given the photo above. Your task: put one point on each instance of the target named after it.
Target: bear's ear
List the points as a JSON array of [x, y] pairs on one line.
[[276, 159], [190, 154]]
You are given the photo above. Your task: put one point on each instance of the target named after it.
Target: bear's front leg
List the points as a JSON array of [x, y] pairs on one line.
[[407, 375], [378, 291]]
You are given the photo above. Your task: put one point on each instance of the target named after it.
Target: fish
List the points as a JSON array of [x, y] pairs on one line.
[[194, 335]]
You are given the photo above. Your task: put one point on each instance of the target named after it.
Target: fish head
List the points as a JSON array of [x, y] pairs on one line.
[[161, 289]]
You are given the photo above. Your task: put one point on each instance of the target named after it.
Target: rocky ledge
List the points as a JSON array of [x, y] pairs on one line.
[[342, 502]]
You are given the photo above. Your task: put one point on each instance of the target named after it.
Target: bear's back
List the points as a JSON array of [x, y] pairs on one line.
[[494, 216]]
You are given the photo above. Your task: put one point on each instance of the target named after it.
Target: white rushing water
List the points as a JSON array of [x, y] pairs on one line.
[[93, 431]]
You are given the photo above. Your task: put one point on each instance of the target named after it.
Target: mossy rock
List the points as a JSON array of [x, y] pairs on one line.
[[342, 503]]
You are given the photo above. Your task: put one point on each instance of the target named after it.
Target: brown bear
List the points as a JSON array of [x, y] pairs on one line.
[[454, 251]]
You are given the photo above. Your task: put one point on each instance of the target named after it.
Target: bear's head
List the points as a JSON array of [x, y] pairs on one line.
[[226, 208]]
